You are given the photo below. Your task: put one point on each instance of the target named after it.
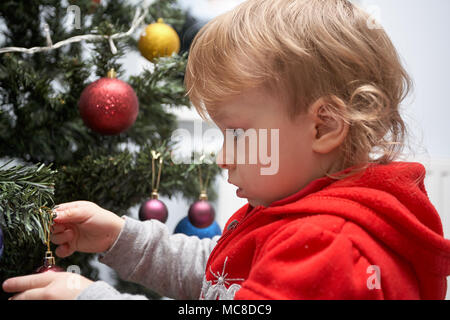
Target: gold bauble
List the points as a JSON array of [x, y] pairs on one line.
[[158, 40]]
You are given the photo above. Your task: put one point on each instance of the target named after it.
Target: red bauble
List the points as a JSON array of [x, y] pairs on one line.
[[108, 106], [201, 214], [153, 209]]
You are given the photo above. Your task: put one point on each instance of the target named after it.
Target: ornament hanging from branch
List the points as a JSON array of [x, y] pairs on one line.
[[154, 208], [49, 260], [200, 219], [158, 40], [109, 106], [201, 213]]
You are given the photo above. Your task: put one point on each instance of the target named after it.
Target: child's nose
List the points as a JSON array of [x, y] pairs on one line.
[[223, 161]]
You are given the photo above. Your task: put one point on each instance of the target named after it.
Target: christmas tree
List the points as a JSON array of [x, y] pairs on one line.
[[61, 156]]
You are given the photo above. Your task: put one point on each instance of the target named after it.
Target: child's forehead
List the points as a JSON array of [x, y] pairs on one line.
[[245, 108], [246, 98], [233, 107], [225, 109]]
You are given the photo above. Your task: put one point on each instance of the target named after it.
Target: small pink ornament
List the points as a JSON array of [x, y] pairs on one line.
[[201, 213], [49, 264], [153, 209]]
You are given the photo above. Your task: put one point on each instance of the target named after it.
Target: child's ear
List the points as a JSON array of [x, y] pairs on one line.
[[330, 127]]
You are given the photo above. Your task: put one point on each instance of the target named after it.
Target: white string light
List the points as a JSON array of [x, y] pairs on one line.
[[137, 20], [47, 35]]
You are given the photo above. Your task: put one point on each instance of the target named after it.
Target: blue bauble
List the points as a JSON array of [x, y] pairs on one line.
[[185, 226], [1, 243]]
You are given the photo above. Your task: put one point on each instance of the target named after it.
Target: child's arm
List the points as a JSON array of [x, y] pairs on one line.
[[146, 253], [142, 252]]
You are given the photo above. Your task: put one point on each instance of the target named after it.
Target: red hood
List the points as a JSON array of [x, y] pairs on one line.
[[390, 202]]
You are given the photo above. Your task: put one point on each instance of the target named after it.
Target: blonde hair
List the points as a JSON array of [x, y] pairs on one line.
[[302, 50]]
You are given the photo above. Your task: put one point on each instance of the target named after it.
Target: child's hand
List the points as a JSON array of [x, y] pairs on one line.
[[84, 226], [47, 286]]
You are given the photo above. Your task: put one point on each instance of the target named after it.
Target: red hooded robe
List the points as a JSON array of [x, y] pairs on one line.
[[371, 236]]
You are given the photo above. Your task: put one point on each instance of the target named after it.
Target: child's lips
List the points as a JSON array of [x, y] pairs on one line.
[[239, 191]]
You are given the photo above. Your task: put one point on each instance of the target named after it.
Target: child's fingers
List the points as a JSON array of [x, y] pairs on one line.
[[71, 214], [57, 228], [69, 206], [64, 250], [66, 205], [63, 237]]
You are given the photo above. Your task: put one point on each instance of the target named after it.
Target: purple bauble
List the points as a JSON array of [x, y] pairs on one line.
[[49, 264], [153, 209], [53, 268], [201, 214]]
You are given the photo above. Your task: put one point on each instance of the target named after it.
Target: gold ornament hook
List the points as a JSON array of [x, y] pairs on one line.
[[49, 260], [203, 187], [155, 156], [112, 74]]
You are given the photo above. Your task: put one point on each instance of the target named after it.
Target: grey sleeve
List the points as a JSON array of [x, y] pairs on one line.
[[101, 290], [146, 253]]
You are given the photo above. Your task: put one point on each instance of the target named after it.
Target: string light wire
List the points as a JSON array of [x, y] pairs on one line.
[[137, 20]]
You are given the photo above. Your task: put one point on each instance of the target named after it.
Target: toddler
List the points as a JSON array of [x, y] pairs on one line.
[[337, 218]]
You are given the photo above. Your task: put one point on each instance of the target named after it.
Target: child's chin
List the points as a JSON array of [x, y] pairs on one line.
[[255, 203]]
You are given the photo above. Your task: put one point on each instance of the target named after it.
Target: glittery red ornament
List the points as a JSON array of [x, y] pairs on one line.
[[153, 209], [49, 264], [108, 106], [201, 213]]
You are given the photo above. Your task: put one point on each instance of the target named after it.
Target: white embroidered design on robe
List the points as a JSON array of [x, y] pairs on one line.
[[218, 290]]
